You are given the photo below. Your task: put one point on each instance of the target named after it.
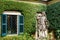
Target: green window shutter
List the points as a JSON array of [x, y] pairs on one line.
[[4, 25], [21, 23]]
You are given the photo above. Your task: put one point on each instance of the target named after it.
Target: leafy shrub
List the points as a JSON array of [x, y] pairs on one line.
[[20, 37], [53, 15], [27, 9]]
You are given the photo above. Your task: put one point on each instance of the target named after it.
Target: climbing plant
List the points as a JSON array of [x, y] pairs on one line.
[[53, 15], [27, 9]]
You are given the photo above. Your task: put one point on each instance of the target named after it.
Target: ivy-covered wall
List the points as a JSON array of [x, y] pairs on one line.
[[28, 9], [53, 15]]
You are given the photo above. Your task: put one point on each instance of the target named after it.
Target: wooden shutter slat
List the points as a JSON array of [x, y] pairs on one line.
[[4, 25], [21, 23]]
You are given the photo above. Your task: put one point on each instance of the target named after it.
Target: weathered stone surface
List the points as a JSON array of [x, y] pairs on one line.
[[41, 32]]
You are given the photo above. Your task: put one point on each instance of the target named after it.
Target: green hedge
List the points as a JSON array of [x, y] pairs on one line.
[[27, 9], [24, 36], [53, 15]]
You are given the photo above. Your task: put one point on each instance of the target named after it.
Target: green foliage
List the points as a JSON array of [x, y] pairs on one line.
[[24, 36], [57, 34], [27, 9], [53, 15]]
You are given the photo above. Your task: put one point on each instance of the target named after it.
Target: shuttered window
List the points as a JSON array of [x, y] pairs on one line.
[[20, 23]]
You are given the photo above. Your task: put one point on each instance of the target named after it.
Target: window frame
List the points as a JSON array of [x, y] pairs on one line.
[[17, 20]]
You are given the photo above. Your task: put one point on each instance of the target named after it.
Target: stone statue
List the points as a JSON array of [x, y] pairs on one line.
[[41, 27]]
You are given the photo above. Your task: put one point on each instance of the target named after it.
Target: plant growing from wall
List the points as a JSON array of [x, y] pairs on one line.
[[27, 9], [53, 15]]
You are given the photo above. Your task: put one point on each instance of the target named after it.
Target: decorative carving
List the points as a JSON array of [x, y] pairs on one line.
[[41, 27]]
